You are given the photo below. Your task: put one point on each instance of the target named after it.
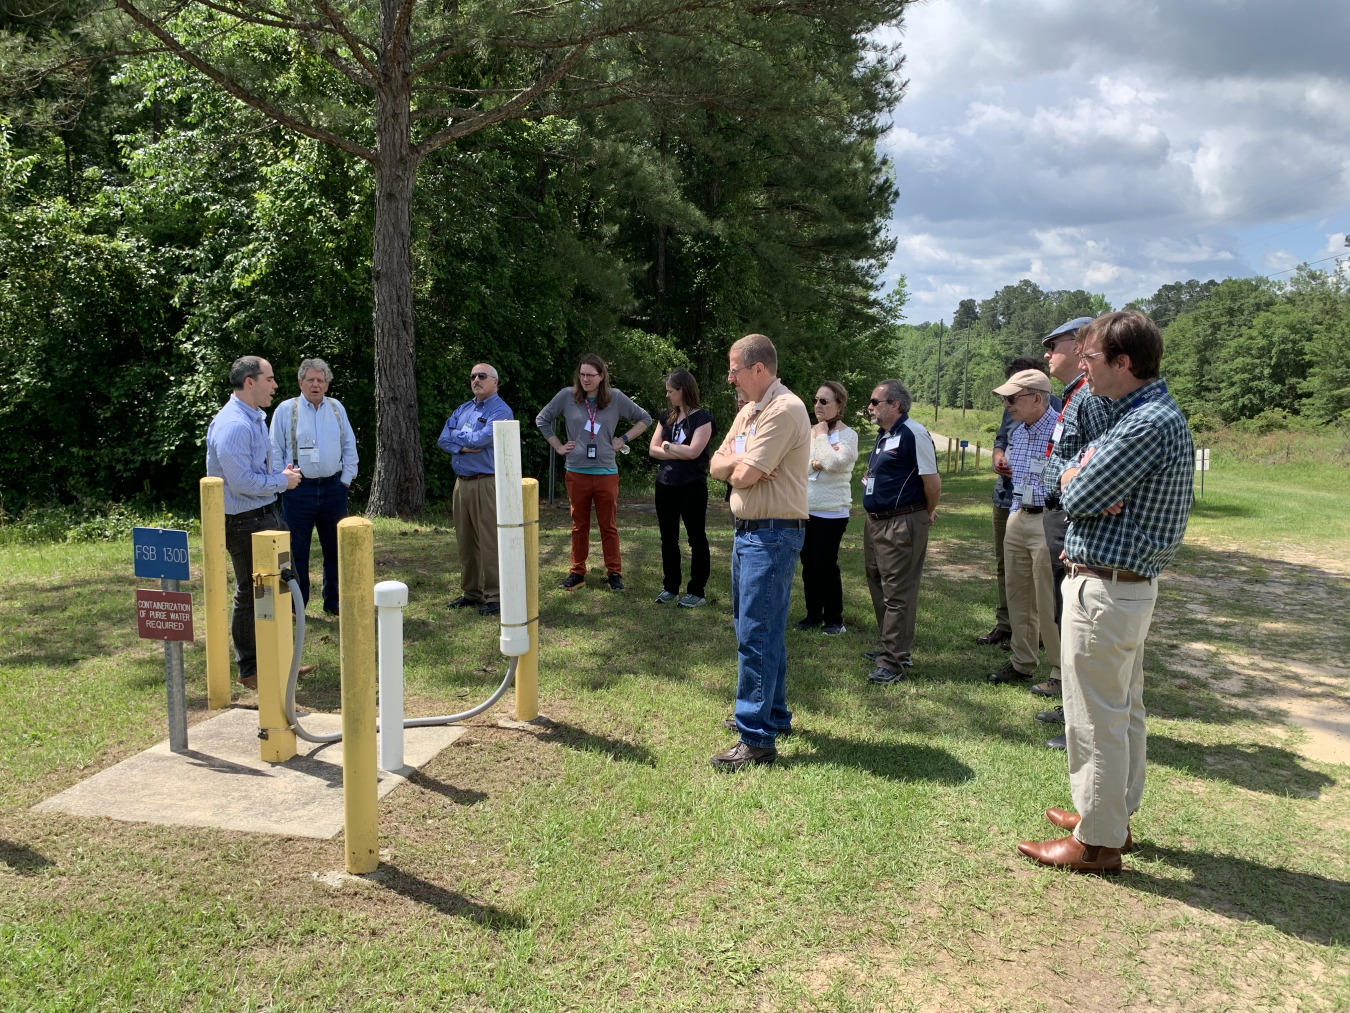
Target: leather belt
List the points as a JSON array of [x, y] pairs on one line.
[[250, 514], [470, 478], [913, 508], [770, 522], [1034, 509], [1081, 570], [321, 481]]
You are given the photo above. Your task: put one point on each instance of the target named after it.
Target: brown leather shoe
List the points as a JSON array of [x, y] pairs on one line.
[[1050, 688], [249, 681], [1066, 820], [1071, 853], [304, 669], [996, 636], [740, 755]]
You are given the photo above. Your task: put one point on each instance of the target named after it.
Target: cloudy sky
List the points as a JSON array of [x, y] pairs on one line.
[[1117, 146]]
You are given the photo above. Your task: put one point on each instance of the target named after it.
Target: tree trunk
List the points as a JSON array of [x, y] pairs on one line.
[[399, 487]]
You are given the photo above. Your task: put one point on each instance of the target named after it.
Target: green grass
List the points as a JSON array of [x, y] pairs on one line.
[[602, 865]]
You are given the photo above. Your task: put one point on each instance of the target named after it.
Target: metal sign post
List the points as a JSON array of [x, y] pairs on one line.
[[964, 445], [166, 614], [1202, 466]]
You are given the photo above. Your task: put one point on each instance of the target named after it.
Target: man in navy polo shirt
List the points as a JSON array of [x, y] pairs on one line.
[[901, 490]]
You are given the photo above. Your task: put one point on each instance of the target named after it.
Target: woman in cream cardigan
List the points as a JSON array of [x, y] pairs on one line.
[[829, 494]]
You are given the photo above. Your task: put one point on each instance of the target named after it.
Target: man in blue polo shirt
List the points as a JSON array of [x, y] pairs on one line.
[[239, 450], [467, 437], [901, 490]]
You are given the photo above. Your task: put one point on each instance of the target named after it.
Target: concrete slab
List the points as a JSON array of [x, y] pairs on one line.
[[221, 782]]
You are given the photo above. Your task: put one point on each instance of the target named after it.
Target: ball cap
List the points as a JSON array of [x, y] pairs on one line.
[[1028, 379], [1065, 330]]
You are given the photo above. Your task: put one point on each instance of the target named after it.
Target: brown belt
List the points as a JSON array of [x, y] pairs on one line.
[[1080, 570], [470, 478], [911, 509]]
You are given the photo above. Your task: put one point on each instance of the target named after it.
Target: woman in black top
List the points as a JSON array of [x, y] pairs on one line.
[[682, 443]]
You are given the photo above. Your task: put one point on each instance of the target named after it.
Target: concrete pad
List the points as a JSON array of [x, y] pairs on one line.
[[221, 782]]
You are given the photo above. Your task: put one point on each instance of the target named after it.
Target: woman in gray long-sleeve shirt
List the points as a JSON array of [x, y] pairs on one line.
[[591, 411]]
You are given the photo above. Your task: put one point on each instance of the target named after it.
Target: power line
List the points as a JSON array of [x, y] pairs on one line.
[[1264, 203], [1337, 257], [1266, 239]]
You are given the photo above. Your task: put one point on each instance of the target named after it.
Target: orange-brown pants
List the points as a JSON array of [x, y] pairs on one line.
[[603, 491]]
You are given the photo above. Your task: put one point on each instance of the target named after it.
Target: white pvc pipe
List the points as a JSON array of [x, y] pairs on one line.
[[390, 598], [515, 638]]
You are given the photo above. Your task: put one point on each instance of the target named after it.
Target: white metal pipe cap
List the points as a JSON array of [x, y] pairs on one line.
[[391, 594]]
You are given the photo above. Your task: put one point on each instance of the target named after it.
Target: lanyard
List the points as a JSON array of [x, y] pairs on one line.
[[592, 413], [1068, 396], [1145, 398]]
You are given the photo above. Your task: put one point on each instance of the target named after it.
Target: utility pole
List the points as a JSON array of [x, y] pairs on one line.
[[937, 379], [965, 382]]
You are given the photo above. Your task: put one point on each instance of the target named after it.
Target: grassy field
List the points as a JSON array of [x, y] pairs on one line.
[[599, 864]]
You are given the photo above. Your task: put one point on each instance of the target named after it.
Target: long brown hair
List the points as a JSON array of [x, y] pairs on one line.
[[683, 381], [602, 395]]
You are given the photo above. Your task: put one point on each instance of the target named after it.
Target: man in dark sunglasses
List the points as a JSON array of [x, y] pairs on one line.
[[467, 438]]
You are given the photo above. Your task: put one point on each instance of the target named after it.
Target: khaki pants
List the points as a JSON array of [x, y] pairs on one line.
[[1031, 592], [1105, 626], [475, 509], [893, 553]]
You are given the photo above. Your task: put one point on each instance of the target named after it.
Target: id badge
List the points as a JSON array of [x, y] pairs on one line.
[[891, 444], [592, 427], [1024, 491], [1037, 467], [834, 439], [740, 444], [813, 476], [590, 451], [310, 454], [868, 482], [1058, 433]]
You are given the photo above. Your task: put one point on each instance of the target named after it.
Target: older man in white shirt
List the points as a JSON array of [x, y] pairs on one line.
[[312, 433]]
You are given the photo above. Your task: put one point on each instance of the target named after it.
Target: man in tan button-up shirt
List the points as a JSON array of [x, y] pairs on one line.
[[766, 458]]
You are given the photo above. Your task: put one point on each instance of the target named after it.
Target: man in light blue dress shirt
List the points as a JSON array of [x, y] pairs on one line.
[[312, 433], [239, 451], [467, 437]]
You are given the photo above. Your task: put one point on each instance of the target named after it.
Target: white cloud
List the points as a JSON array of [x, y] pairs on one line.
[[1091, 145]]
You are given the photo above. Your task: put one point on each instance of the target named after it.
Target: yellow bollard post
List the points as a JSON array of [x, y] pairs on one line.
[[215, 593], [273, 627], [949, 455], [527, 668], [356, 626]]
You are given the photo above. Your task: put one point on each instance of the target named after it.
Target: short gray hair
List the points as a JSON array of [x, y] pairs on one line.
[[492, 370], [899, 393], [307, 364], [755, 348]]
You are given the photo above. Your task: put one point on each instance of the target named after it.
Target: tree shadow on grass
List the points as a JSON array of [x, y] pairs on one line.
[[1255, 767], [1313, 908], [896, 761], [22, 859], [447, 902], [460, 796], [588, 742]]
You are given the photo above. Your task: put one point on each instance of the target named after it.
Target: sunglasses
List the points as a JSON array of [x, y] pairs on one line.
[[876, 401], [823, 400], [1012, 399], [478, 376]]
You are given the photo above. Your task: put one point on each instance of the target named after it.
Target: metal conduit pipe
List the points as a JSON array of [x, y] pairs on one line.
[[291, 679]]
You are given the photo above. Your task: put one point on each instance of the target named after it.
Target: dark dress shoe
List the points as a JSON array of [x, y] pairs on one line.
[[249, 681], [1051, 688], [998, 635], [1066, 820], [1007, 674], [1058, 742], [740, 755], [464, 603], [1071, 853], [490, 608], [1054, 717]]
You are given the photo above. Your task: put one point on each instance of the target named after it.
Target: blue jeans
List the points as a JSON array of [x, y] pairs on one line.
[[315, 504], [762, 566]]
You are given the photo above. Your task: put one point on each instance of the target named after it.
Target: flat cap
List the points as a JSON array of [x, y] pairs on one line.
[[1065, 330], [1028, 379]]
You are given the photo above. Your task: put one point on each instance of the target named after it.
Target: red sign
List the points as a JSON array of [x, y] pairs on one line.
[[163, 615]]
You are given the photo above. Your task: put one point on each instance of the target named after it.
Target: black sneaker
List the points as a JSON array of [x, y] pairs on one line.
[[1054, 717], [833, 629], [808, 624], [740, 755], [884, 676], [490, 608], [1007, 674], [572, 580], [870, 655], [616, 583], [1058, 742], [464, 603]]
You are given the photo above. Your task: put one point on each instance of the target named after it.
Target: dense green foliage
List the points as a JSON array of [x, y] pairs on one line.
[[169, 229]]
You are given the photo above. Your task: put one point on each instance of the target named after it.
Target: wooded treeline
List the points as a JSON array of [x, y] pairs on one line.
[[1237, 351], [157, 229]]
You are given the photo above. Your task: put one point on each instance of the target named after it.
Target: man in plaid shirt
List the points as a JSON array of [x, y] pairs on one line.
[[1128, 500]]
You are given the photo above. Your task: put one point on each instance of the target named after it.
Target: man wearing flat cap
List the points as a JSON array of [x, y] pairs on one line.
[[1029, 576]]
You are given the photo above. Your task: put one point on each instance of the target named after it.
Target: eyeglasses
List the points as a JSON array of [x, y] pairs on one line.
[[589, 376], [732, 371], [1089, 356], [1012, 399], [824, 401], [876, 401], [478, 376]]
